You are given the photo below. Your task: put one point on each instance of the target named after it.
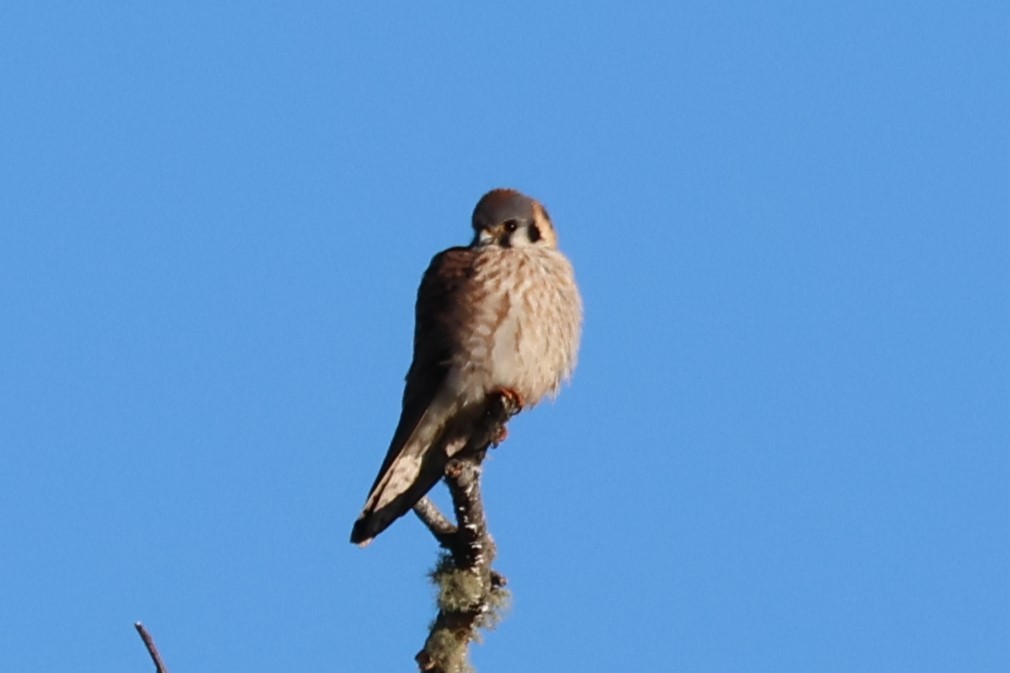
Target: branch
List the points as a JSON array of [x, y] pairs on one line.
[[437, 523], [152, 649], [470, 594]]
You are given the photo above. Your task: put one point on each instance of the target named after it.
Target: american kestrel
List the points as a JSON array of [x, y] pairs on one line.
[[502, 315]]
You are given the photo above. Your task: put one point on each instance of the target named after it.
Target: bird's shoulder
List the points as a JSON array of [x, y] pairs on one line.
[[447, 274], [451, 265]]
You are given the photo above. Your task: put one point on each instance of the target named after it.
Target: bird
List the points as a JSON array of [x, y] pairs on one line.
[[502, 315]]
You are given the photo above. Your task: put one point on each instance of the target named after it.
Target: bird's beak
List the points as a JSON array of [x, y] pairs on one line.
[[485, 236]]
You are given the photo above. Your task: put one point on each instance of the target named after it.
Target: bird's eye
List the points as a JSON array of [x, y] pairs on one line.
[[511, 225]]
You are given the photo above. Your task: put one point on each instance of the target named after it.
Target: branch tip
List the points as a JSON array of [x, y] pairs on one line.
[[152, 649]]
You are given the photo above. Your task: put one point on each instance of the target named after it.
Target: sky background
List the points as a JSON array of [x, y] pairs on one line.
[[786, 444]]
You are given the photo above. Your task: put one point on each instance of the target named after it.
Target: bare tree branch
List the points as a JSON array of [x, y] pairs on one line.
[[152, 649], [437, 523], [470, 593]]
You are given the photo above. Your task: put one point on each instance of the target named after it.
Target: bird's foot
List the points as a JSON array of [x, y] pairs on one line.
[[514, 398], [508, 403]]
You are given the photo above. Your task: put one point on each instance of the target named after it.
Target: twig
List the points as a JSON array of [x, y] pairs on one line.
[[152, 649], [437, 523], [470, 592]]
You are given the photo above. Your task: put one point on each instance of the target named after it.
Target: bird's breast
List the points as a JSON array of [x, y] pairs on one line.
[[520, 322]]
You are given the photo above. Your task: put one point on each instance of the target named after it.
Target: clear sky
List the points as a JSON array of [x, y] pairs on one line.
[[787, 445]]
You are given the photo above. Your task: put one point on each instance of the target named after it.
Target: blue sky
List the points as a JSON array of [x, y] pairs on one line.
[[785, 447]]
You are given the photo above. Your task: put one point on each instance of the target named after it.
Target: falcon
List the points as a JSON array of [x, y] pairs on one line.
[[500, 316]]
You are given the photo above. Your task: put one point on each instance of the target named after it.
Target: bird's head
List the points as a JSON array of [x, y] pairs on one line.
[[510, 219]]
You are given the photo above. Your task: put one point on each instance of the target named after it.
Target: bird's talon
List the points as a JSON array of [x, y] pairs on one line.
[[514, 398]]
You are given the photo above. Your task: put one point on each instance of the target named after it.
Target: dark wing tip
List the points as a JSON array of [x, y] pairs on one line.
[[361, 534]]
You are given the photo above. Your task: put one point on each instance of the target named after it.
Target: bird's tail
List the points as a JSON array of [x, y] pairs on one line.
[[406, 481], [412, 467]]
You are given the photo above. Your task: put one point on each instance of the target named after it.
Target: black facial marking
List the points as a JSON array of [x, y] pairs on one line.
[[534, 233]]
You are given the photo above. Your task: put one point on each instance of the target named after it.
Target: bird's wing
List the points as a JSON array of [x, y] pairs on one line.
[[410, 469]]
